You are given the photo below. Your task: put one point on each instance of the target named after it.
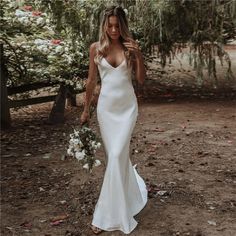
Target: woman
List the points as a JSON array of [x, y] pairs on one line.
[[123, 192]]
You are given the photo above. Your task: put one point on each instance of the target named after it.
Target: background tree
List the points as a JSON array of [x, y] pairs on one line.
[[48, 41]]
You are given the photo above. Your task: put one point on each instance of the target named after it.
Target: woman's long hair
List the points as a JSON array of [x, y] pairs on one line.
[[104, 40]]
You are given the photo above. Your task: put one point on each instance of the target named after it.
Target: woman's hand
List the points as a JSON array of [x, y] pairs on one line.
[[133, 47], [138, 64], [84, 117]]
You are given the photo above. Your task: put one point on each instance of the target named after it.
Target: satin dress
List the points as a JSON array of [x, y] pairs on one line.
[[123, 193]]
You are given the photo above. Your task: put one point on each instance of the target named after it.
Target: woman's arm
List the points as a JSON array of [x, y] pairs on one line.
[[139, 68], [90, 84], [138, 64]]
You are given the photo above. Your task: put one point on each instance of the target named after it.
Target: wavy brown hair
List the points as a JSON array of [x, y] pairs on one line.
[[105, 41]]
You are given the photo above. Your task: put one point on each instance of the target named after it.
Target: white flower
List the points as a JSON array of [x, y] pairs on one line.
[[126, 11], [93, 144], [49, 29], [20, 13], [79, 86], [24, 20], [98, 145], [59, 49], [97, 163], [12, 4], [76, 132], [69, 59], [69, 152], [76, 141], [86, 166], [43, 48], [51, 57], [41, 41], [71, 142], [80, 155], [40, 21], [67, 82]]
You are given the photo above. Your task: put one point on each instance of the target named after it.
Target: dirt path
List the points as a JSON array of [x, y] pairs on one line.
[[185, 150]]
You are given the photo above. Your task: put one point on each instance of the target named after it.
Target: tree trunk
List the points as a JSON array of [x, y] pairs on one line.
[[5, 110], [57, 113]]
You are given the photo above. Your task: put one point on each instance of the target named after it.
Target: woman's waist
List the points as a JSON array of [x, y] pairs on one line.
[[117, 104], [117, 87], [117, 94]]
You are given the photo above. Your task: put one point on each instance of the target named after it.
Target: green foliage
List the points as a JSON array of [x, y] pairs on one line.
[[162, 27], [35, 50], [165, 26]]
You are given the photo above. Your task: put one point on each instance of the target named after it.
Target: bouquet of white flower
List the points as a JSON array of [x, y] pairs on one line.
[[83, 145]]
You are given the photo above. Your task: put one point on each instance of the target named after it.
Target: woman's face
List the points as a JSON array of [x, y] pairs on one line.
[[113, 29]]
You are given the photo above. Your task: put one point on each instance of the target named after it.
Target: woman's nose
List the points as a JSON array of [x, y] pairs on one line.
[[113, 29]]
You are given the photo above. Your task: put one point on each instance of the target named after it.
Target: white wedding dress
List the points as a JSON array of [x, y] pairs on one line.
[[123, 192]]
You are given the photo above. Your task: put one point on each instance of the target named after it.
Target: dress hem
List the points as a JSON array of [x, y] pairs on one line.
[[119, 229]]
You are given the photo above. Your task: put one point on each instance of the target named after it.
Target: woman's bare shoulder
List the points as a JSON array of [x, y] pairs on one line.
[[94, 46]]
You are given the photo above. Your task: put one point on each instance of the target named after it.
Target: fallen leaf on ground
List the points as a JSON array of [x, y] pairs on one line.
[[57, 222], [211, 222], [26, 224], [58, 218]]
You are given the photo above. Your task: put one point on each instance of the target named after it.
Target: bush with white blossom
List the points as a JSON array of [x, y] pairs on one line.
[[83, 145], [35, 51]]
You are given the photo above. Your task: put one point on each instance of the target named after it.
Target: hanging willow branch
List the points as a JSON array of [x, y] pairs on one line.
[[202, 25]]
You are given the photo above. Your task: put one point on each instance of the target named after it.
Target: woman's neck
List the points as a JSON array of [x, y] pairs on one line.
[[115, 43]]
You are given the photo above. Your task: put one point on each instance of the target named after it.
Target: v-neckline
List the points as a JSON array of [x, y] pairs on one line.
[[113, 66]]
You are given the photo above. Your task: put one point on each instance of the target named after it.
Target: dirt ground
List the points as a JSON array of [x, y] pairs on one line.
[[184, 148]]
